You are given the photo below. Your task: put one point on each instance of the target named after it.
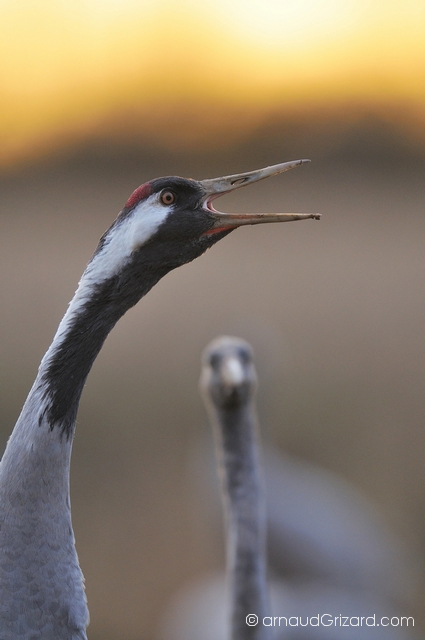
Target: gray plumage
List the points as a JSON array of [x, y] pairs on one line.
[[228, 382], [166, 223], [41, 584]]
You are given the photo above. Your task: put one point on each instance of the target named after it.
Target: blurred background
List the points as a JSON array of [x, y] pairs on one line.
[[98, 97]]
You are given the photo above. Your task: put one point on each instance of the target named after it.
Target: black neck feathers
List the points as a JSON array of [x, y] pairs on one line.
[[72, 355]]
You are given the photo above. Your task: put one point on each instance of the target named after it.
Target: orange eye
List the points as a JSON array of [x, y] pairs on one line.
[[167, 197]]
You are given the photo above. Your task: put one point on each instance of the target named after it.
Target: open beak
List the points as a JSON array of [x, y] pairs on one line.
[[218, 186]]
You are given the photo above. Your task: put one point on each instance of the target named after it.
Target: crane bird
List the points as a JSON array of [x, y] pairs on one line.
[[165, 223], [228, 381], [311, 516]]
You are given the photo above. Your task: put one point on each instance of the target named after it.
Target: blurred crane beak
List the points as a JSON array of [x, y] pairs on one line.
[[232, 372], [219, 186]]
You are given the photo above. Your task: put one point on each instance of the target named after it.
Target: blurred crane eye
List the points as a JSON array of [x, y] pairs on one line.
[[244, 356], [167, 197], [215, 360]]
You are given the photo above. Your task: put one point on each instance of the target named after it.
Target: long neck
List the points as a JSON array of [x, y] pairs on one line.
[[242, 491], [42, 438]]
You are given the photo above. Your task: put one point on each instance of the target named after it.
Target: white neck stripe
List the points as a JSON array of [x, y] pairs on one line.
[[132, 233]]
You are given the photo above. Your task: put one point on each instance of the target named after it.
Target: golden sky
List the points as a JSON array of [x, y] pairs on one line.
[[75, 68]]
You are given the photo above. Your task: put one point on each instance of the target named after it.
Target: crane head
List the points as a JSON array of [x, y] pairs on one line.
[[228, 376], [178, 200], [166, 223]]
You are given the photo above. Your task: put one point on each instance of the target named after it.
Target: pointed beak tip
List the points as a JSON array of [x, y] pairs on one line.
[[218, 186]]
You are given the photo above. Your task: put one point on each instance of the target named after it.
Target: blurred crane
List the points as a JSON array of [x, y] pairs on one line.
[[228, 381], [328, 554]]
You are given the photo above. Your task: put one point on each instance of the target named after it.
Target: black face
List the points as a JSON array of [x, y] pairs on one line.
[[188, 194], [186, 232], [189, 220]]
